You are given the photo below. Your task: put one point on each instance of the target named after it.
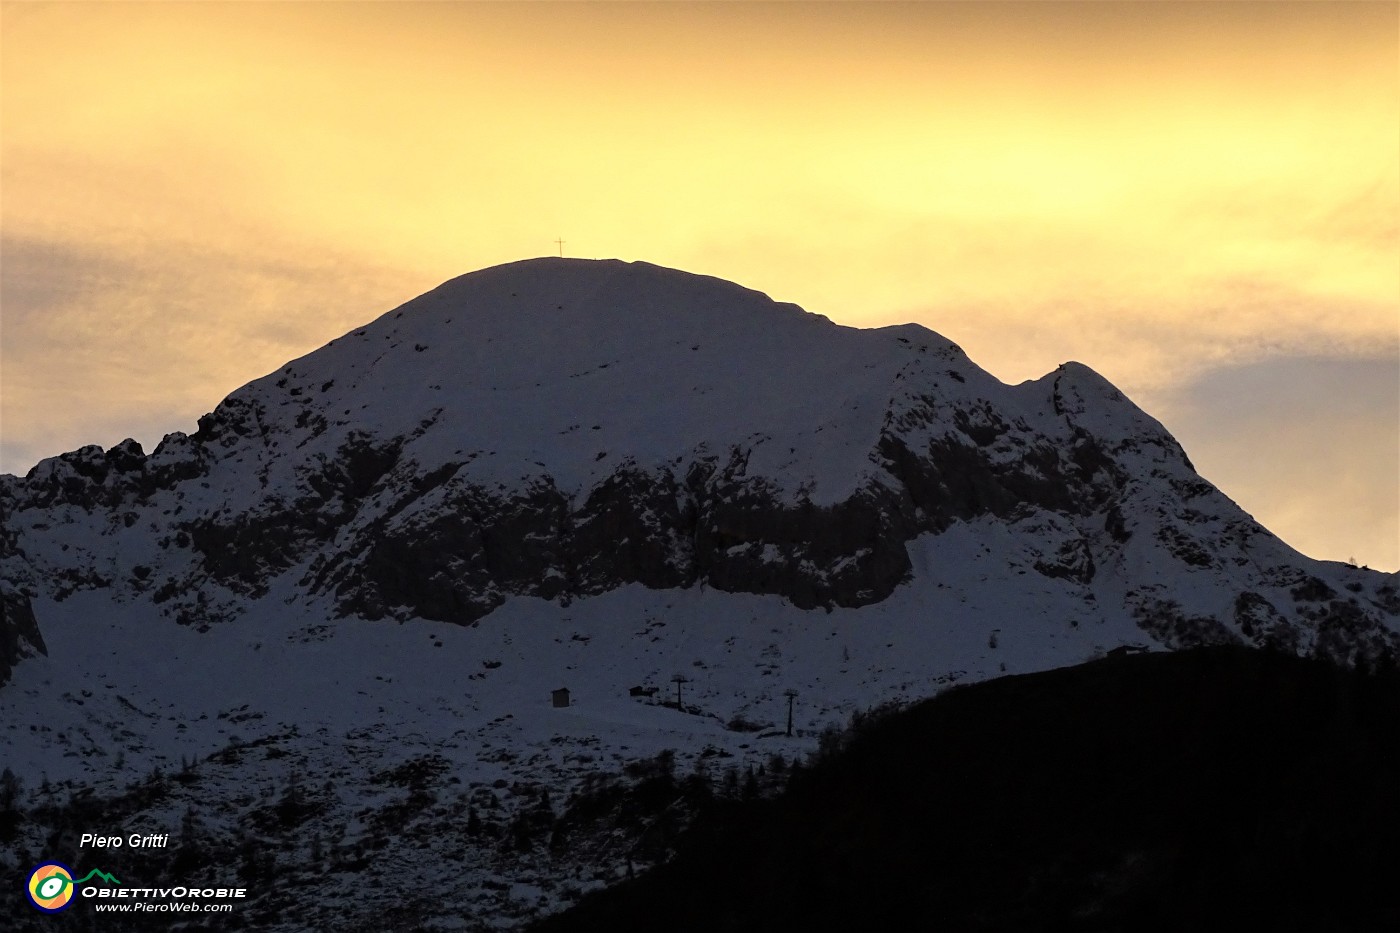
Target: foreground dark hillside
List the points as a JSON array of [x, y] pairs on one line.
[[1209, 789]]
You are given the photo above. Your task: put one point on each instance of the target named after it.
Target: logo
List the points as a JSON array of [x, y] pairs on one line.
[[51, 886]]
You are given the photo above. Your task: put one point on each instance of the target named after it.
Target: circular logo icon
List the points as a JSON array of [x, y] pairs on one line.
[[51, 887]]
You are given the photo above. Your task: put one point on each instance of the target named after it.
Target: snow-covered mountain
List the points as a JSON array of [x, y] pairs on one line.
[[601, 475]]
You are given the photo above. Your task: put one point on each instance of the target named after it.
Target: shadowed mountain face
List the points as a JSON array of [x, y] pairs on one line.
[[1207, 789], [558, 428]]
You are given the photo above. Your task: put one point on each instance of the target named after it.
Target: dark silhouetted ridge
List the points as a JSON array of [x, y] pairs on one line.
[[1210, 789]]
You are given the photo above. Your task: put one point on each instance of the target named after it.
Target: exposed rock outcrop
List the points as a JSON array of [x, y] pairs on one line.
[[19, 632]]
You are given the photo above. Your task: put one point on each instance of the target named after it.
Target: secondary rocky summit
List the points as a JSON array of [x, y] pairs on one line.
[[557, 428]]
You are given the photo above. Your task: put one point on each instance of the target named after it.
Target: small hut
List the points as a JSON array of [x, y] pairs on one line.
[[561, 697]]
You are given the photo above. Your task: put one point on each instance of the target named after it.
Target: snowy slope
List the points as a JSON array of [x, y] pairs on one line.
[[596, 475]]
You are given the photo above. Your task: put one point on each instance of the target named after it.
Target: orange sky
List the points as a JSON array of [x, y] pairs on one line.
[[1200, 200]]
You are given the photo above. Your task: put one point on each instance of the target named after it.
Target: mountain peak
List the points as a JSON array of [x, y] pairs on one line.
[[570, 366], [599, 293], [641, 424]]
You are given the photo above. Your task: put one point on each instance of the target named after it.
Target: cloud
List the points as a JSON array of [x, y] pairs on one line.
[[43, 277], [102, 345], [1308, 444]]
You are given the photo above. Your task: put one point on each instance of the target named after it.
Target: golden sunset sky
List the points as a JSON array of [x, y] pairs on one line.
[[1199, 200]]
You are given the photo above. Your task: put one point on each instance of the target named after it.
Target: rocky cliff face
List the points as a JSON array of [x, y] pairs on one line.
[[558, 428], [19, 633], [19, 630]]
